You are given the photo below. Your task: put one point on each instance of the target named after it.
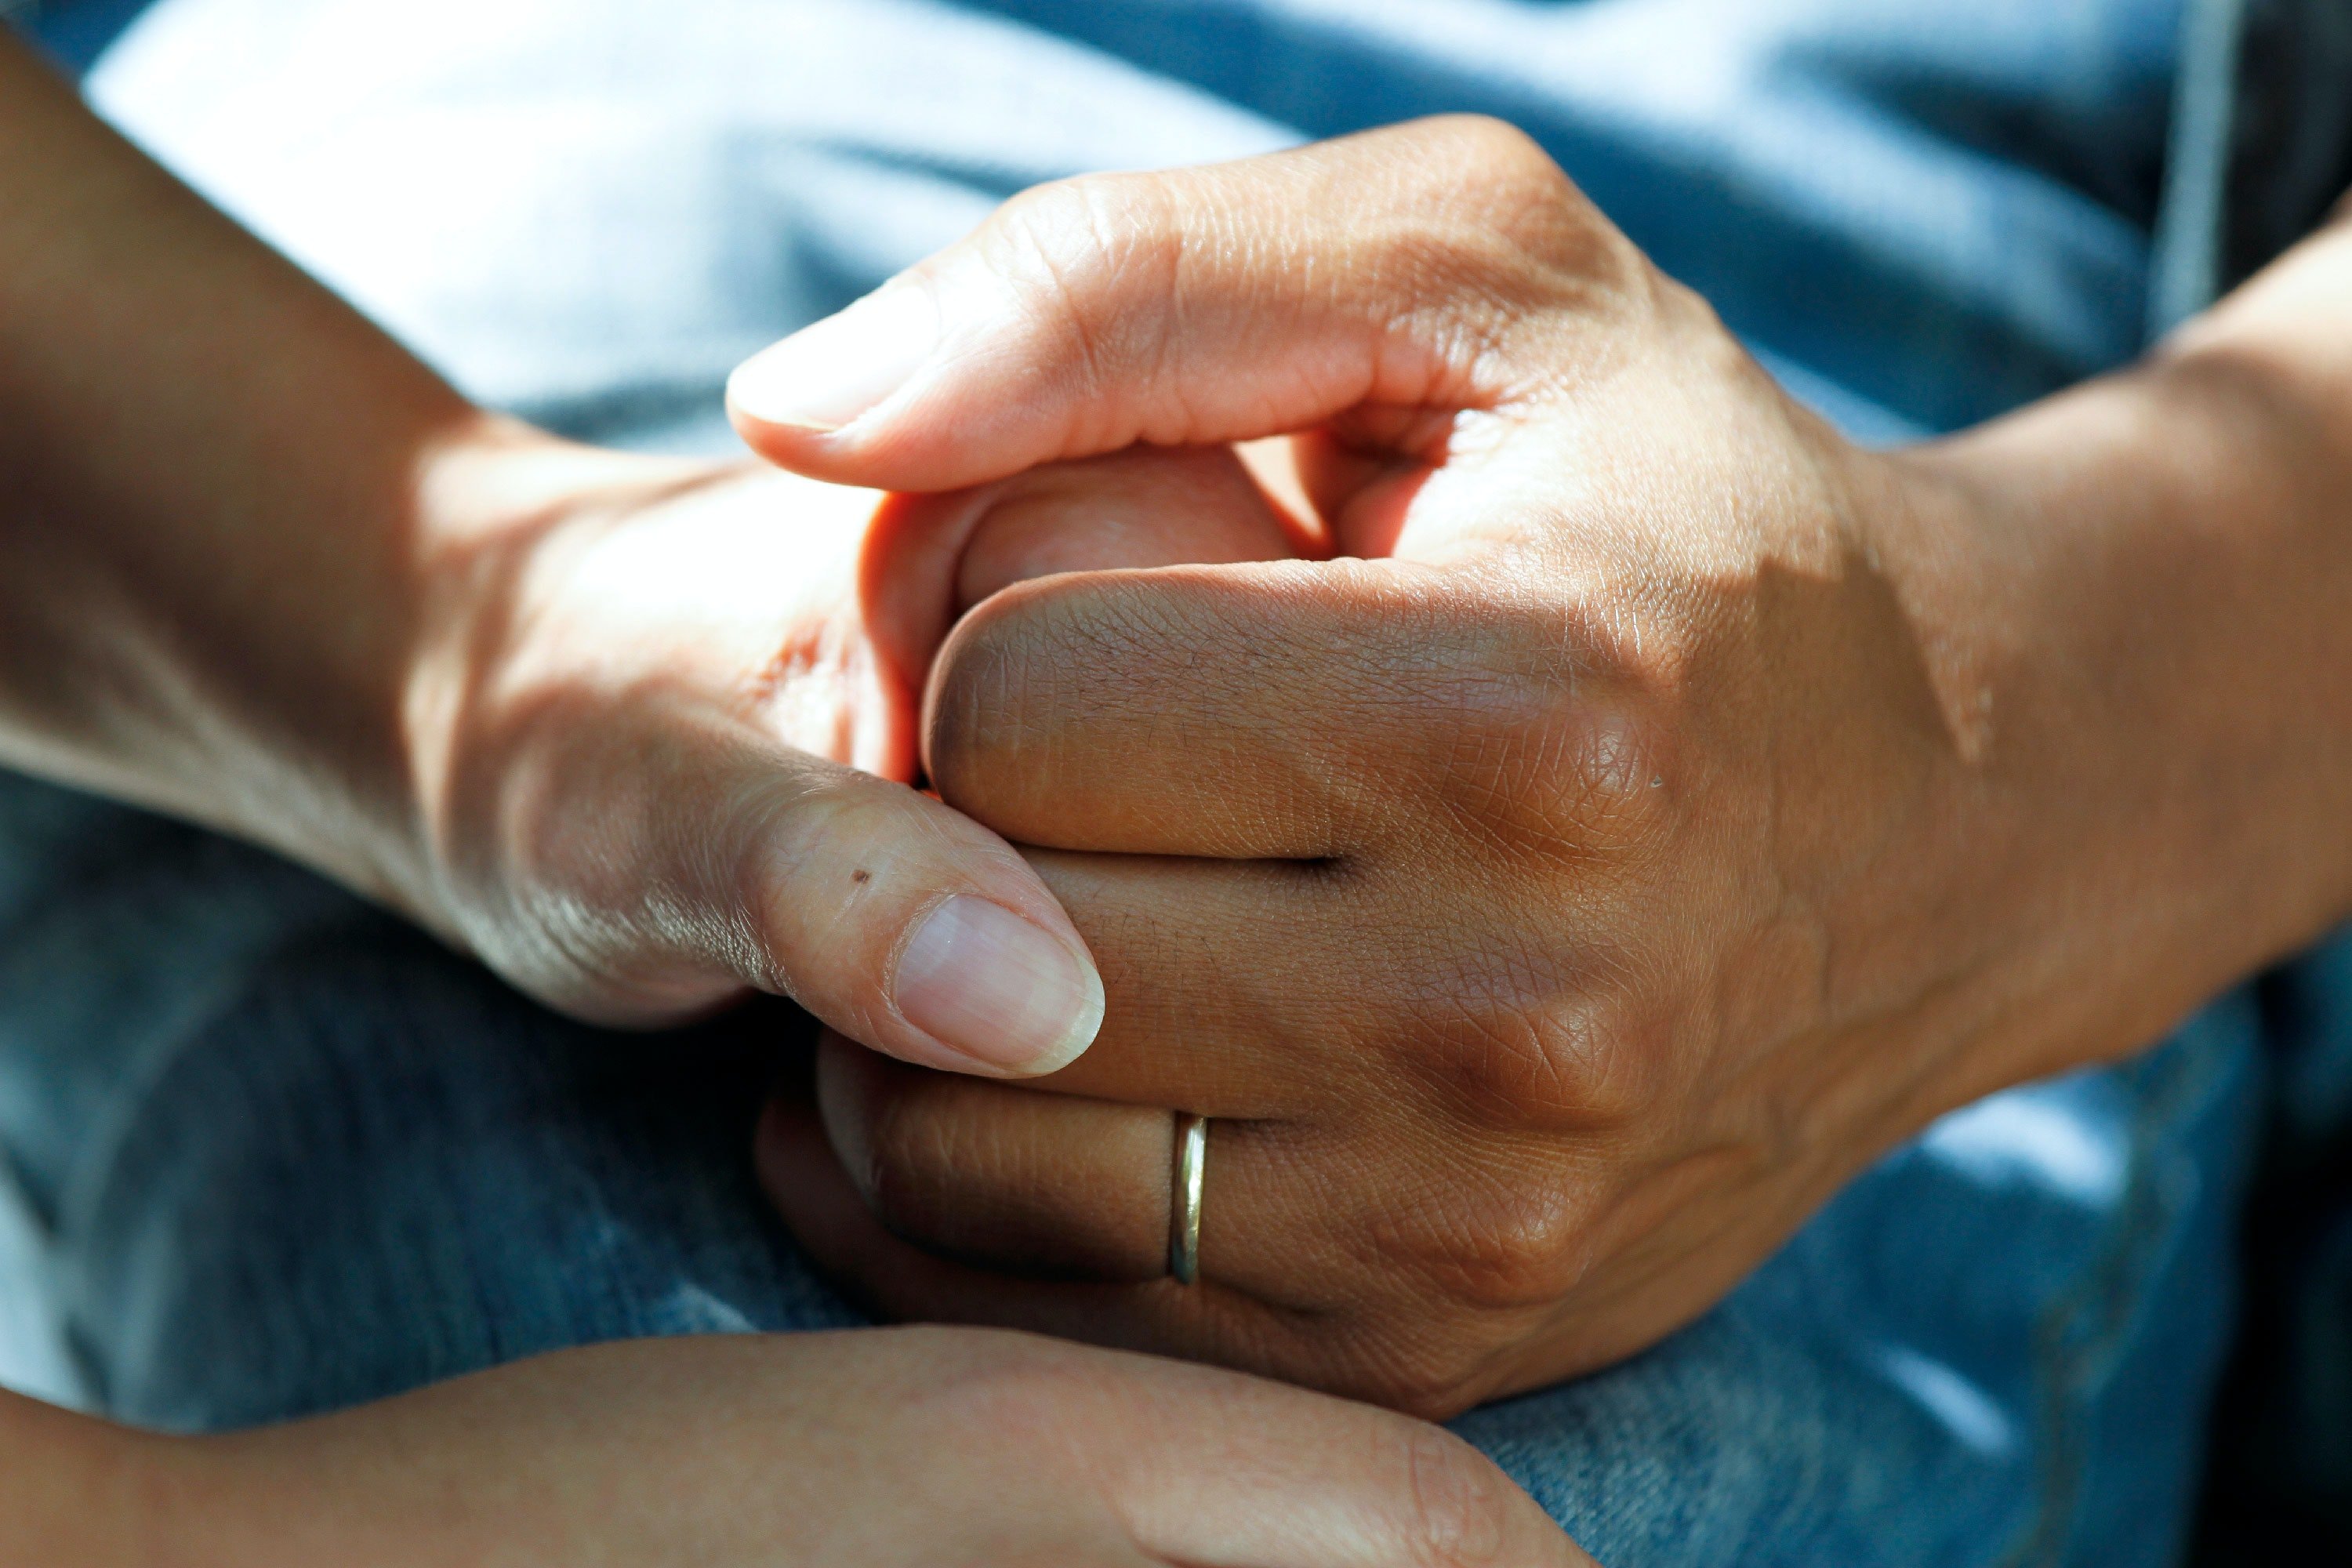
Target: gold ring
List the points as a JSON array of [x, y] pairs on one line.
[[1184, 1212]]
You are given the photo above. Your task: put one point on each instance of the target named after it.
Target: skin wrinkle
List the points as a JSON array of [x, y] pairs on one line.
[[1031, 237], [1509, 1072], [1004, 745], [1503, 1245], [1254, 1002], [1556, 804], [585, 947]]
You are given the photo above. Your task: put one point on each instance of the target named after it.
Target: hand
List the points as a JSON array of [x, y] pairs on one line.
[[922, 1447], [1660, 809], [597, 716], [661, 735]]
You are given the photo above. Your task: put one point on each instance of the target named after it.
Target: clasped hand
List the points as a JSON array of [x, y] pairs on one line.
[[1598, 811], [1552, 896]]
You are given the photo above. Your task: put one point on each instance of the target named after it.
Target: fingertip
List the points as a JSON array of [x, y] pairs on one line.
[[829, 456], [779, 444], [910, 927], [999, 988], [833, 371]]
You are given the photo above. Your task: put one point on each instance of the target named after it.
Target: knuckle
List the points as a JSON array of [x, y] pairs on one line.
[[1606, 769], [1638, 640], [1560, 730], [1424, 1351], [1538, 225], [1561, 778], [1494, 152], [1485, 1245], [1538, 1067], [1516, 1039], [1102, 215], [1617, 1054], [1078, 256], [1514, 1246]]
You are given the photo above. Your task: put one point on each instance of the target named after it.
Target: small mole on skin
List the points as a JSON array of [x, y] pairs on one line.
[[861, 875]]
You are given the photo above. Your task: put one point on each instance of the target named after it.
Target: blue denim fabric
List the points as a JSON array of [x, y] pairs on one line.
[[280, 1153]]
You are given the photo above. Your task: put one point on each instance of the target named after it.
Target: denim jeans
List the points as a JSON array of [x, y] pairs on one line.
[[274, 1152]]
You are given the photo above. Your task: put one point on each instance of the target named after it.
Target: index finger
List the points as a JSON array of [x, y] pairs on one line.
[[1287, 711]]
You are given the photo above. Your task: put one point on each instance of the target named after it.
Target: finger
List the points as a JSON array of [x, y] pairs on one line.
[[692, 849], [1141, 508], [1217, 977], [929, 558], [922, 930], [1302, 709], [1293, 1479], [1357, 1354], [1052, 1185], [817, 1199], [1277, 992], [1398, 277], [1181, 713]]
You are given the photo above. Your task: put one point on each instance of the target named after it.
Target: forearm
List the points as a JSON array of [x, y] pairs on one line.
[[2159, 622], [215, 481], [79, 1493]]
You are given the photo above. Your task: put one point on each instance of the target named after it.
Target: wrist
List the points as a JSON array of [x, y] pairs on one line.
[[2145, 578], [216, 494]]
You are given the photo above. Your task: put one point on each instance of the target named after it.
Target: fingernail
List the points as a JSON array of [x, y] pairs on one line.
[[826, 374], [985, 982]]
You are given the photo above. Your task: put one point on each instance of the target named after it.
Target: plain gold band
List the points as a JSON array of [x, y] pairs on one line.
[[1184, 1209]]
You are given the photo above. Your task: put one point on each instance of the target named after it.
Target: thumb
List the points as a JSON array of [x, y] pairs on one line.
[[914, 930], [1398, 278], [665, 866]]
